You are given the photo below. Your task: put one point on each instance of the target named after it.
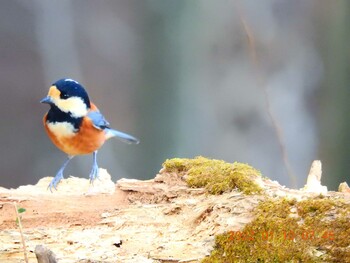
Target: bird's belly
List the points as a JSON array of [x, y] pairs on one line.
[[86, 141]]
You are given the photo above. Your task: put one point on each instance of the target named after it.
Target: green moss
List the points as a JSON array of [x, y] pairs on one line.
[[313, 230], [215, 175]]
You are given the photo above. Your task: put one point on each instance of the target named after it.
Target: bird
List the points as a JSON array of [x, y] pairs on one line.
[[76, 126]]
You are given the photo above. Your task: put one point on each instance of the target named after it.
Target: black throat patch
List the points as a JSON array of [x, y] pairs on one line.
[[56, 115]]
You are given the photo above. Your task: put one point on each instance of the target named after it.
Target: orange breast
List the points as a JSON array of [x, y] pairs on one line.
[[87, 140]]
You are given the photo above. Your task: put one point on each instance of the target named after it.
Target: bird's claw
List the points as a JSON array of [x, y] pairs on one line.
[[93, 174], [55, 181]]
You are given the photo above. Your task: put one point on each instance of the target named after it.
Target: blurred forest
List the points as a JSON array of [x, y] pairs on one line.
[[180, 76]]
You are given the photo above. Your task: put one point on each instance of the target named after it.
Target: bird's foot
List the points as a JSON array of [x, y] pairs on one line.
[[94, 173], [55, 181]]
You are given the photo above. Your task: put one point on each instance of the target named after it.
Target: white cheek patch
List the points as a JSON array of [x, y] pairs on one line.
[[74, 105], [61, 129]]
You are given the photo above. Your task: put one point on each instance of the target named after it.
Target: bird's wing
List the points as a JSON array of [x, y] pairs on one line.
[[98, 120], [101, 123]]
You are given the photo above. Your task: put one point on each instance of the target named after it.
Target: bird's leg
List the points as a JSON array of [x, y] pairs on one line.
[[59, 174], [94, 170]]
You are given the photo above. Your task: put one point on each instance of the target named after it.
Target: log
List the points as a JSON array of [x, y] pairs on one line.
[[157, 220]]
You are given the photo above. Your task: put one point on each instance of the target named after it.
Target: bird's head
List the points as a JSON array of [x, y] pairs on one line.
[[68, 96]]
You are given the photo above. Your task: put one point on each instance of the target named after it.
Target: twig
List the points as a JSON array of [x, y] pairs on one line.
[[21, 232], [262, 83]]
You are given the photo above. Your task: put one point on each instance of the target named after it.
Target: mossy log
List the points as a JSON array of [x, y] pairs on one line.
[[194, 210]]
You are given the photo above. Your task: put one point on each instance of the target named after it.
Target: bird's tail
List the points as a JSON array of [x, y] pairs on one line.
[[121, 136]]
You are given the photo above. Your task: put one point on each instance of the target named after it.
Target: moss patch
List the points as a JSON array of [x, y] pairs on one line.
[[215, 175], [313, 230]]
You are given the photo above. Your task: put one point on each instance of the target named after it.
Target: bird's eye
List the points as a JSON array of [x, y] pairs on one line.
[[64, 96]]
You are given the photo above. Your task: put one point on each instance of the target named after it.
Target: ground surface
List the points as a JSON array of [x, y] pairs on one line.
[[159, 220]]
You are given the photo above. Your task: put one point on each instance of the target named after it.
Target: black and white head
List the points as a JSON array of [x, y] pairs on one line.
[[69, 97]]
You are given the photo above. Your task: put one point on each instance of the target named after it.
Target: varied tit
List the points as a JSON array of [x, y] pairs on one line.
[[75, 125]]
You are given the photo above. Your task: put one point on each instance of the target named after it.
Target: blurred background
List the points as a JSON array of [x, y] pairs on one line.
[[211, 78]]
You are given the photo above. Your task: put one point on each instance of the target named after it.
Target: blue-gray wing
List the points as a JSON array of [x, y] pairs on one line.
[[98, 120], [102, 124]]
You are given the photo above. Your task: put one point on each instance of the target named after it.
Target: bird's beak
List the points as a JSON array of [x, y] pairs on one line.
[[47, 100]]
